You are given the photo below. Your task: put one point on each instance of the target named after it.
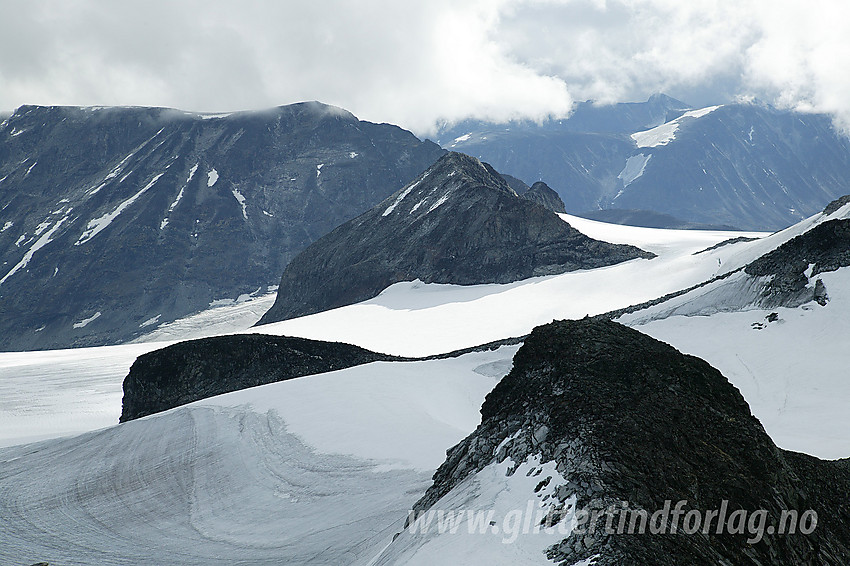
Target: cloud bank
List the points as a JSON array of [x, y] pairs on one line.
[[418, 63]]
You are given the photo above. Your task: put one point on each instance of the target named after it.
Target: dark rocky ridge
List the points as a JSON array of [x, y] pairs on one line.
[[826, 247], [198, 369], [299, 170], [458, 223], [629, 418], [543, 195]]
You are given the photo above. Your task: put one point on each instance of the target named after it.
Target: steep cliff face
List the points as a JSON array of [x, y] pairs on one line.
[[610, 415], [198, 369], [459, 222], [117, 219]]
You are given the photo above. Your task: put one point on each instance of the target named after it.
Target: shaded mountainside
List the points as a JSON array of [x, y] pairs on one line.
[[749, 166], [198, 369], [459, 222], [117, 219], [626, 418]]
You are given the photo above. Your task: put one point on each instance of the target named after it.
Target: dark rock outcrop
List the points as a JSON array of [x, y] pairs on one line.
[[826, 247], [630, 419], [459, 222], [545, 196], [836, 204], [198, 369], [539, 192], [117, 219]]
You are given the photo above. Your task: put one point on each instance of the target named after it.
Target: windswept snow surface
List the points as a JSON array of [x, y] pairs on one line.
[[62, 392], [333, 463]]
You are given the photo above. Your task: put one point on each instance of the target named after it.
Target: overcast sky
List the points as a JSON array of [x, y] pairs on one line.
[[417, 62]]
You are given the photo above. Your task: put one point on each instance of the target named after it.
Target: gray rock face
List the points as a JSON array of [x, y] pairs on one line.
[[748, 166], [543, 195], [198, 369], [628, 418], [825, 247], [113, 218], [459, 222]]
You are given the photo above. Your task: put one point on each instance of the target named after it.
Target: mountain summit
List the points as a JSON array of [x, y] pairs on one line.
[[459, 222]]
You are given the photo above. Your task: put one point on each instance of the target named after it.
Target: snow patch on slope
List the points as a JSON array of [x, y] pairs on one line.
[[85, 322], [665, 133], [97, 225], [240, 198], [398, 200], [40, 243], [635, 166], [509, 513], [212, 177]]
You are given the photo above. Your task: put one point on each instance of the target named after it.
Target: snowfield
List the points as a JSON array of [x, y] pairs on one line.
[[333, 463], [323, 469]]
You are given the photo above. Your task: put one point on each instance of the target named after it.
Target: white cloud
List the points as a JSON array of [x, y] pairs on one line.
[[414, 63], [790, 53]]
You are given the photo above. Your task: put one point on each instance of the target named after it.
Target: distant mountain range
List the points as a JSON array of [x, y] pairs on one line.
[[748, 166], [114, 220]]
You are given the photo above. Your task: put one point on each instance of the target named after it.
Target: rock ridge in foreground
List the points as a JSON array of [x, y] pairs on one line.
[[625, 417]]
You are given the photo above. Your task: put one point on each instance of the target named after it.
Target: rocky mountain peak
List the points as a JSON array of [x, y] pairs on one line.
[[542, 194], [458, 222]]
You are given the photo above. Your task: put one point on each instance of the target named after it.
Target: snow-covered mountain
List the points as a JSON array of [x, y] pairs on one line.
[[744, 165], [114, 220], [324, 468], [459, 222]]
